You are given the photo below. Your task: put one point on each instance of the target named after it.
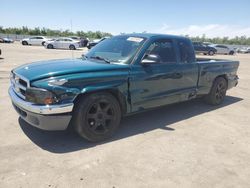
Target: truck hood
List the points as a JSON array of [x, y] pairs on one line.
[[45, 69]]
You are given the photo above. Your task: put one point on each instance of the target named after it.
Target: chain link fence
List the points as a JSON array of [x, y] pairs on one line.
[[20, 37]]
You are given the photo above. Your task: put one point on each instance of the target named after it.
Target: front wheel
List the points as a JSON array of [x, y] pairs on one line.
[[218, 92], [24, 43], [97, 116], [211, 52], [50, 46]]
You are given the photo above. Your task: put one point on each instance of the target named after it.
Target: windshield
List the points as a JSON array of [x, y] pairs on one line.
[[118, 49]]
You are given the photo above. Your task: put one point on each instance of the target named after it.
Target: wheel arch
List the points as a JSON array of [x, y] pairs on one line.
[[113, 91], [222, 76]]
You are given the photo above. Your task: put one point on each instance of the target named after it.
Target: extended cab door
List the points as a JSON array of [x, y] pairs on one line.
[[171, 80]]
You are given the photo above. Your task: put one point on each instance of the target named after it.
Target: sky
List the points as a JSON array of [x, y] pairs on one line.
[[181, 17]]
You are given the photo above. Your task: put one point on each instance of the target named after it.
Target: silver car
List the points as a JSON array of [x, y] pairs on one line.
[[38, 40], [222, 49], [62, 43], [244, 50]]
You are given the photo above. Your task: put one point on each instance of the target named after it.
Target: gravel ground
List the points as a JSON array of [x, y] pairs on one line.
[[184, 145]]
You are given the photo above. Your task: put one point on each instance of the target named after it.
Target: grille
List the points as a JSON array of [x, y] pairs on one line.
[[19, 84]]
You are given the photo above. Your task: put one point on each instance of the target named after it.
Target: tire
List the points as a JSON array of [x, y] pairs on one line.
[[24, 43], [50, 46], [231, 53], [97, 116], [204, 54], [72, 47], [211, 52], [218, 92], [43, 43]]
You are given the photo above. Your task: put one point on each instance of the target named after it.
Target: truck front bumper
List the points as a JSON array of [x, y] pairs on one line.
[[46, 117]]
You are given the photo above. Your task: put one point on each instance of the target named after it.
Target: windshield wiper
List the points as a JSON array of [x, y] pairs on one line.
[[84, 56], [100, 58]]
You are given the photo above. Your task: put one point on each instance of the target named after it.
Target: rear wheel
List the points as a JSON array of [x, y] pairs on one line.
[[97, 116], [231, 53], [43, 43], [72, 47], [218, 92]]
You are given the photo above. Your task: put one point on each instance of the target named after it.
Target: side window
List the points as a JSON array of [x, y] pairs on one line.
[[39, 37], [186, 51], [164, 49]]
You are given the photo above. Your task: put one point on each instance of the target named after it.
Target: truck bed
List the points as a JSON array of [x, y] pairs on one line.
[[209, 69]]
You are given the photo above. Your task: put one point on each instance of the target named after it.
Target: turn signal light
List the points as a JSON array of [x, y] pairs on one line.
[[48, 101]]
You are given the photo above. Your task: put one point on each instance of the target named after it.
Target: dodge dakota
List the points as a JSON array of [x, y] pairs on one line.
[[122, 75]]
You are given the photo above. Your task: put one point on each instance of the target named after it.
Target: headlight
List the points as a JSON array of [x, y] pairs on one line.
[[40, 96]]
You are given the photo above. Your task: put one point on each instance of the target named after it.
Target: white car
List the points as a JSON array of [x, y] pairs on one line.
[[38, 40], [222, 49], [62, 43], [244, 50]]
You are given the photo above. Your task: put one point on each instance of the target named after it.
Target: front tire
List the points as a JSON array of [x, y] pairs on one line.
[[50, 46], [218, 92], [211, 52], [97, 116], [24, 43]]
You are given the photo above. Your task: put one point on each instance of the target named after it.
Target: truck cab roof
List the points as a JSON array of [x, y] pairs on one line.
[[150, 35]]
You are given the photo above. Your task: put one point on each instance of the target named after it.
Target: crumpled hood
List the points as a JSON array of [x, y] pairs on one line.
[[44, 69]]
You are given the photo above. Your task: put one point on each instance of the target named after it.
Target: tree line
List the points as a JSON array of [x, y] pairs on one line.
[[50, 32], [238, 40]]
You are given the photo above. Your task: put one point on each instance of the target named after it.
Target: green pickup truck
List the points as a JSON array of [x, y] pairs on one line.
[[122, 75]]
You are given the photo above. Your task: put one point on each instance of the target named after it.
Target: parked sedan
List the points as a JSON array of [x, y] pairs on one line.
[[62, 43], [6, 40], [244, 50], [222, 49], [199, 47], [38, 40]]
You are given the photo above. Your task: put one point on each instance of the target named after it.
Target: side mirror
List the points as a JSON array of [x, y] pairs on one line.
[[151, 59]]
